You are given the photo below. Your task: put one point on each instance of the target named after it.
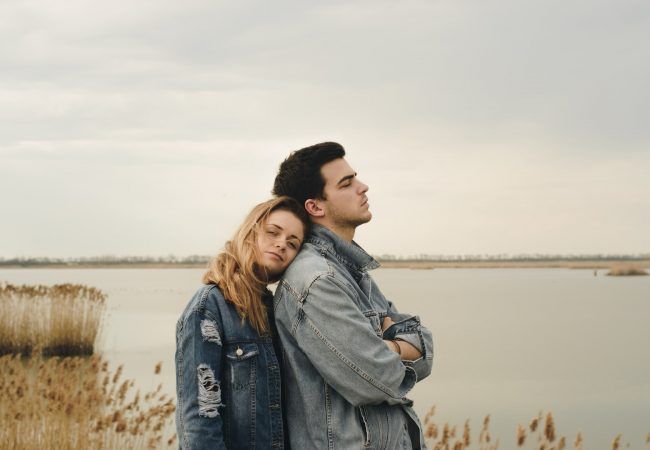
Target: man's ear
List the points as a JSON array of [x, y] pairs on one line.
[[314, 208]]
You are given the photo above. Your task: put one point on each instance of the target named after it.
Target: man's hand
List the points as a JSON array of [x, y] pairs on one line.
[[407, 351], [386, 324]]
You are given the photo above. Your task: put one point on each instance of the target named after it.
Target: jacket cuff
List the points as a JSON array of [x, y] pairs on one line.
[[410, 378], [420, 367], [408, 330]]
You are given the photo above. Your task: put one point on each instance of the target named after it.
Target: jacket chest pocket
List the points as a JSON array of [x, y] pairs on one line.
[[241, 364], [375, 321]]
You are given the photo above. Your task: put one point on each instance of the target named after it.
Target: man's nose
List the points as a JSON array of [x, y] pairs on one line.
[[363, 188]]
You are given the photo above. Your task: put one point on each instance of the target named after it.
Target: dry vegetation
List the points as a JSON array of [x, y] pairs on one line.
[[625, 270], [77, 403], [53, 393], [62, 320], [539, 434], [74, 402]]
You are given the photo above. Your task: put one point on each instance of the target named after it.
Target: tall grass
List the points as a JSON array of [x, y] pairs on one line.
[[77, 403], [62, 320], [539, 434], [626, 270]]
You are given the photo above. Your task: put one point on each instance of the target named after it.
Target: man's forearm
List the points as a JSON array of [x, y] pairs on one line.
[[406, 351]]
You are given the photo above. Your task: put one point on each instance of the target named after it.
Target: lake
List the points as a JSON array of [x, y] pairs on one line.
[[508, 342]]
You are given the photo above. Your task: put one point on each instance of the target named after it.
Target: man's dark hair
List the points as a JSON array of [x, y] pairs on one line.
[[299, 176]]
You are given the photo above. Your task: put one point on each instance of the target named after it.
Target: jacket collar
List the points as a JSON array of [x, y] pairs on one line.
[[350, 254]]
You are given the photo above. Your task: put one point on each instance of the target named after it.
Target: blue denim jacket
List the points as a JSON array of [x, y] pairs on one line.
[[344, 388], [227, 378]]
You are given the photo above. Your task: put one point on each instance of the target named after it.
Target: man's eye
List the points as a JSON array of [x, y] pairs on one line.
[[293, 245]]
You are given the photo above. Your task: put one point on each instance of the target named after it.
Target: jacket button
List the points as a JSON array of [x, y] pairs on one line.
[[239, 351]]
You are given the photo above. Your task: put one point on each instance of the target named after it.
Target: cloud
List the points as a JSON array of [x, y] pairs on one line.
[[466, 118]]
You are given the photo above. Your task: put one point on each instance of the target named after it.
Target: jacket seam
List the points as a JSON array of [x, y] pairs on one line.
[[179, 405], [328, 414], [300, 316], [351, 364], [300, 297]]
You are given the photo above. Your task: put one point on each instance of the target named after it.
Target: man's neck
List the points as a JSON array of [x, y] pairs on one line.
[[345, 233]]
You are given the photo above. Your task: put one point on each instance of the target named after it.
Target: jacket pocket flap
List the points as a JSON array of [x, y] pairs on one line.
[[242, 351]]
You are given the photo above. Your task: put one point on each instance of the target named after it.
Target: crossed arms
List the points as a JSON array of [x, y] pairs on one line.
[[344, 347]]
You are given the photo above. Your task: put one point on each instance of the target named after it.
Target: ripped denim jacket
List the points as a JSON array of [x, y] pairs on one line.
[[227, 378]]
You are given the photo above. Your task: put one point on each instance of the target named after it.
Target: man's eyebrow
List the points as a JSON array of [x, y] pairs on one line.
[[346, 178]]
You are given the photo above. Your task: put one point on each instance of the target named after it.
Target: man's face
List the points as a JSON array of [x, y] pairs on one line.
[[346, 203]]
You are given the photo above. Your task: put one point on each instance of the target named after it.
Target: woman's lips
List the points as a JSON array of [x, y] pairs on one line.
[[275, 255]]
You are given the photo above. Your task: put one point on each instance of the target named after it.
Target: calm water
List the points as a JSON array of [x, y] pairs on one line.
[[508, 342]]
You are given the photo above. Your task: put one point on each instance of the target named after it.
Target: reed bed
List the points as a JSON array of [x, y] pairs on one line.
[[77, 403], [626, 270], [61, 320], [539, 434]]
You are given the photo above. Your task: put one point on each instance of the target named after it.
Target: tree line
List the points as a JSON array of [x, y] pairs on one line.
[[203, 259]]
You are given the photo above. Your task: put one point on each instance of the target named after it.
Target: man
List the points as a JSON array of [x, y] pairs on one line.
[[349, 356]]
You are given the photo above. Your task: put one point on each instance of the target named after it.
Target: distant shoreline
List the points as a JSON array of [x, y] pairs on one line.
[[545, 264], [417, 265]]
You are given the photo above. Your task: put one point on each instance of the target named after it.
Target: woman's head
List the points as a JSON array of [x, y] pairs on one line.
[[279, 237], [277, 226], [261, 249]]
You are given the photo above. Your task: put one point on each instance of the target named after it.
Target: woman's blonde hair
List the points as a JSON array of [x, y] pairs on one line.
[[236, 270]]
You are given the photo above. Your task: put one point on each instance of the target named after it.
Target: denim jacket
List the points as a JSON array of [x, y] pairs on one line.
[[344, 388], [227, 378]]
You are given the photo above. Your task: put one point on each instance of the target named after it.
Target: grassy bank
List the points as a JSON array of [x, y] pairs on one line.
[[61, 320], [626, 270], [51, 400], [77, 403], [539, 433]]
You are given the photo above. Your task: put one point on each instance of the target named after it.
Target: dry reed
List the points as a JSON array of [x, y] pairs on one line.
[[540, 434], [62, 320], [626, 270], [77, 403]]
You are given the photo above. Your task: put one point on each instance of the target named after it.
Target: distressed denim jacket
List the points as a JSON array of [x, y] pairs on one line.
[[344, 388], [227, 378]]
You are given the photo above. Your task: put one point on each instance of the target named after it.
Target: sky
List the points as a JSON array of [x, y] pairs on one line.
[[481, 127]]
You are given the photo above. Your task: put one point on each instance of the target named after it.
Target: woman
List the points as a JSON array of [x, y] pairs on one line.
[[227, 371]]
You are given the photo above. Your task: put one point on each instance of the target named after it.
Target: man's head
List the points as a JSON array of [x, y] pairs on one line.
[[319, 178]]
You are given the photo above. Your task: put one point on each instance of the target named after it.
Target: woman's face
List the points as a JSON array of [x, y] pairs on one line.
[[279, 241]]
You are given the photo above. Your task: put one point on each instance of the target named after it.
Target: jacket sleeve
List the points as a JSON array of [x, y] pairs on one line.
[[198, 374], [342, 345], [409, 328]]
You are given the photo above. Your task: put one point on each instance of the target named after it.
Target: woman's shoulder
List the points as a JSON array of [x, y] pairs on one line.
[[206, 299]]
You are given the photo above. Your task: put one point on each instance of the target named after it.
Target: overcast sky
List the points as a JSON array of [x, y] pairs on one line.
[[152, 127]]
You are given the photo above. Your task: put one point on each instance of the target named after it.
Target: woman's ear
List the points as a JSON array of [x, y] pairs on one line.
[[314, 208]]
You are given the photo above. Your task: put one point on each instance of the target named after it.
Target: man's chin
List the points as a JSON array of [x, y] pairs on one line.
[[363, 219]]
